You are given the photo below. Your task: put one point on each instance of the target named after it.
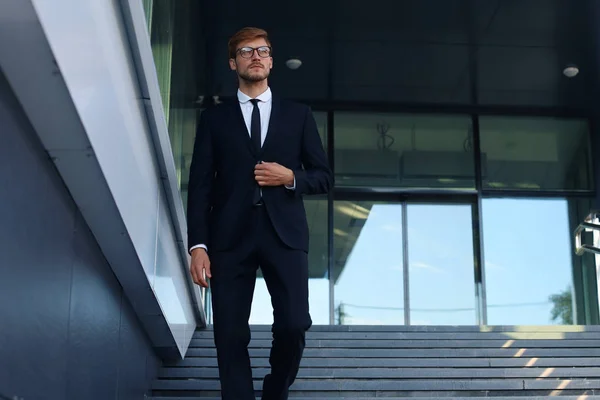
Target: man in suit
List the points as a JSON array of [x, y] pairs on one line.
[[254, 159]]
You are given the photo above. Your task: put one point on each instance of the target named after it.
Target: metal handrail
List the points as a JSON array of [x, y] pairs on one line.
[[591, 222]]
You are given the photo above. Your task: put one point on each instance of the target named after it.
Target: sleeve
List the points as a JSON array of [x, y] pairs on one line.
[[200, 184]]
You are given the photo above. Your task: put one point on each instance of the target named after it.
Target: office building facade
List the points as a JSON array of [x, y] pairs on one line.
[[462, 147], [463, 136]]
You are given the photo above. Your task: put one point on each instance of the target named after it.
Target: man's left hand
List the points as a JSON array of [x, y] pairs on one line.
[[273, 174]]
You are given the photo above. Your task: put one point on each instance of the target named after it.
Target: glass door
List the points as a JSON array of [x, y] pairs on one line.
[[441, 271], [368, 265], [403, 263]]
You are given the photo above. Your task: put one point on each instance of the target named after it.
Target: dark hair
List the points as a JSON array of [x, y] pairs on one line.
[[244, 35]]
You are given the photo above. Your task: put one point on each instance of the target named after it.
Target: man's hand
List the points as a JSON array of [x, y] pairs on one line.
[[200, 267], [273, 174]]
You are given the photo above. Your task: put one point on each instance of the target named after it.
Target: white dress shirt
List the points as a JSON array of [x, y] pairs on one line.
[[265, 104]]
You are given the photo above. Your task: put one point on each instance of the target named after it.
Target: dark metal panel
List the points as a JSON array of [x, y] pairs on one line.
[[330, 219], [535, 23], [421, 21], [445, 108], [477, 221], [530, 76], [36, 229], [495, 193], [403, 194], [405, 264], [137, 364], [593, 11], [595, 145], [95, 318], [415, 51], [60, 304]]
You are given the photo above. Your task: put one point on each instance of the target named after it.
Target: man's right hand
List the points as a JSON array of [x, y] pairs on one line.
[[200, 267]]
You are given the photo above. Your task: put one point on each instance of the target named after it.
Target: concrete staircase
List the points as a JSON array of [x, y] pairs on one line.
[[368, 362]]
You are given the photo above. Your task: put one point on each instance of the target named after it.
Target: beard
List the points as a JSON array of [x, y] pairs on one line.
[[253, 76]]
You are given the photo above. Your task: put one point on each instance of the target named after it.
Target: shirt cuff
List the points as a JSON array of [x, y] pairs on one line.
[[293, 187], [198, 245]]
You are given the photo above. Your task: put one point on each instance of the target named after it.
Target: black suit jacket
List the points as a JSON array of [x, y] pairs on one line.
[[222, 183]]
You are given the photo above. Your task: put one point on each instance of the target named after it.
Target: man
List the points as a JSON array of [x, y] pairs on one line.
[[254, 159]]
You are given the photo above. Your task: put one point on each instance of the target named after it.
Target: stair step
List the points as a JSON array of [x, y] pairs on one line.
[[388, 385], [434, 328], [420, 353], [399, 373], [316, 335], [404, 362], [407, 362], [579, 397], [419, 344]]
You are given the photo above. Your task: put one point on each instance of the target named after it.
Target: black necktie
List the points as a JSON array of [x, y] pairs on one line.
[[255, 126], [255, 135]]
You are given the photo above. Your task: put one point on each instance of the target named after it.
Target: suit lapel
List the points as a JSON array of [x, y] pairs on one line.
[[240, 125]]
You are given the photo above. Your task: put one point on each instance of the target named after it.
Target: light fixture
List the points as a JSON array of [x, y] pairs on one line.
[[571, 71], [293, 63]]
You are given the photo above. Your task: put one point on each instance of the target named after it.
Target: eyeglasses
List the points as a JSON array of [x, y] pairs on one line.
[[248, 52]]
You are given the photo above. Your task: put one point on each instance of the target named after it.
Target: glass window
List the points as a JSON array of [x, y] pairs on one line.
[[441, 267], [148, 12], [321, 120], [368, 263], [535, 153], [389, 150], [528, 261], [585, 283], [177, 69], [162, 20]]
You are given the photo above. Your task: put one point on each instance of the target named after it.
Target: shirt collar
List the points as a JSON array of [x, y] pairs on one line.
[[264, 96]]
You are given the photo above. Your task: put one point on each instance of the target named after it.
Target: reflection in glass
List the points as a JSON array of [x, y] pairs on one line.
[[441, 269], [585, 284], [318, 284], [368, 267], [177, 70], [535, 153], [161, 19], [403, 151], [321, 120], [528, 261], [148, 7]]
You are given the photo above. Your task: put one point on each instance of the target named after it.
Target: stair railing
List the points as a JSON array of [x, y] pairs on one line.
[[590, 223]]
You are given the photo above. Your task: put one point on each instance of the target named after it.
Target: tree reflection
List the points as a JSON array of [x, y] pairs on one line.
[[562, 309]]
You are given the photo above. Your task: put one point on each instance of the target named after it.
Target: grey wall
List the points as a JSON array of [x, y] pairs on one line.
[[66, 329]]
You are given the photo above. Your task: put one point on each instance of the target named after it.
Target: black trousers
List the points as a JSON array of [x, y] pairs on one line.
[[285, 271]]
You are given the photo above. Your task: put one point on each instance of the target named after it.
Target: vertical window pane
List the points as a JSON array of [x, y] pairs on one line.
[[368, 267], [389, 150], [161, 15], [177, 70], [528, 261], [535, 153], [441, 268], [321, 120], [585, 284]]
